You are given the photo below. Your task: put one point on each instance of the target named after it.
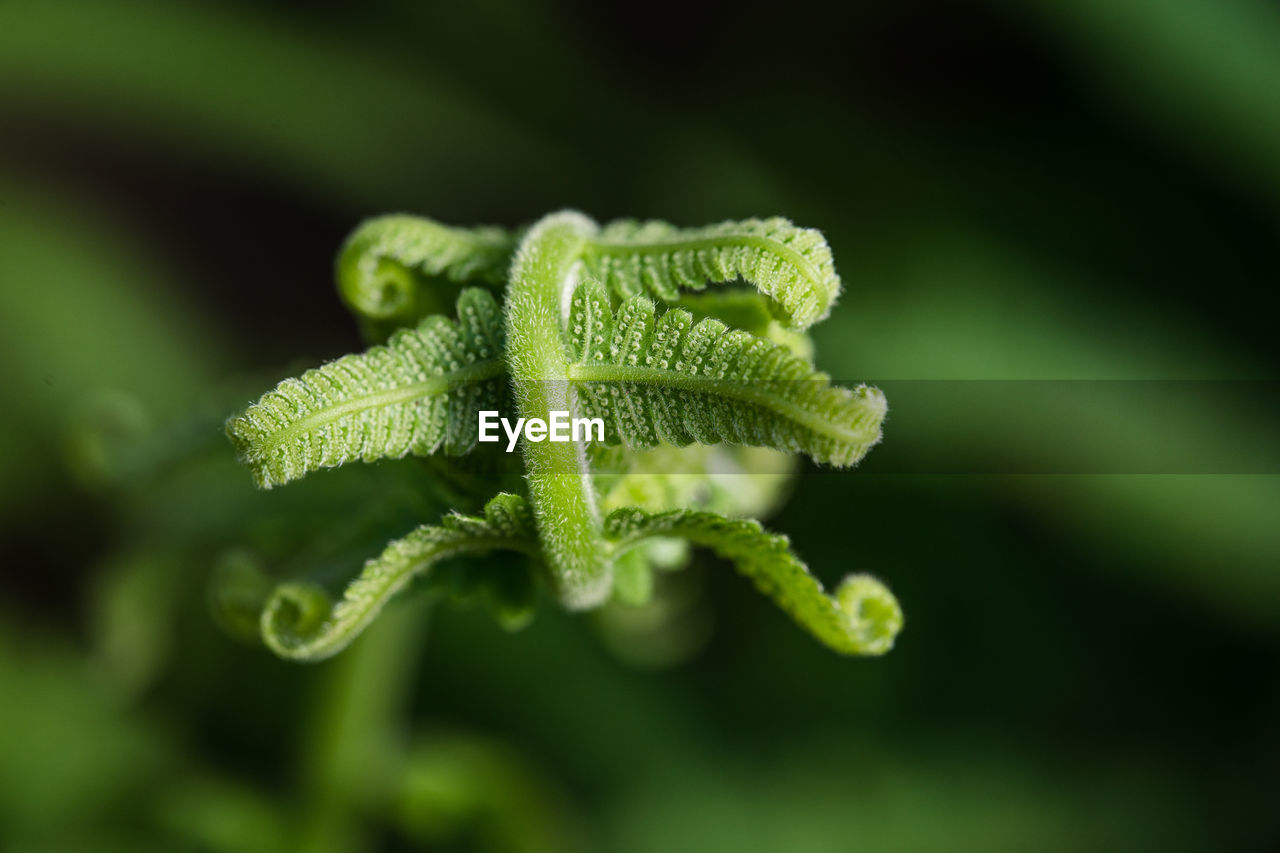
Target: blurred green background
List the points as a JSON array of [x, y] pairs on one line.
[[1046, 190]]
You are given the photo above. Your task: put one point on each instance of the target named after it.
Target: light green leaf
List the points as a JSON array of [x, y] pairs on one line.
[[793, 266], [418, 394], [862, 618], [676, 382], [300, 622], [396, 268]]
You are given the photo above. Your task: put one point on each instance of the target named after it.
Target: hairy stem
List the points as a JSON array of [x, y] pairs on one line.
[[560, 488]]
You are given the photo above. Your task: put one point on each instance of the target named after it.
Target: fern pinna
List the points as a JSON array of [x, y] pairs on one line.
[[615, 323]]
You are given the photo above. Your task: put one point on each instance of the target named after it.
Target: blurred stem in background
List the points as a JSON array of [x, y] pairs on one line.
[[351, 751]]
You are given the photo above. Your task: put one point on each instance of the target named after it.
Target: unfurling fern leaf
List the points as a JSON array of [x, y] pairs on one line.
[[676, 382], [793, 266], [579, 334], [418, 394], [862, 618], [390, 266], [299, 621]]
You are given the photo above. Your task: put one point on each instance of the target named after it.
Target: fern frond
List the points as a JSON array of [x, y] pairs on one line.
[[676, 382], [862, 618], [793, 266], [391, 266], [300, 622], [578, 334], [417, 394]]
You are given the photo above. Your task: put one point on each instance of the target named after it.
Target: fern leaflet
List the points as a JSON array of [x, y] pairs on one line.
[[417, 394], [862, 618], [793, 266], [299, 622], [389, 266], [676, 382]]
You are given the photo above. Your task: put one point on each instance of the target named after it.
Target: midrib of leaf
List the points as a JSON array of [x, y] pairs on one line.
[[743, 391], [476, 372]]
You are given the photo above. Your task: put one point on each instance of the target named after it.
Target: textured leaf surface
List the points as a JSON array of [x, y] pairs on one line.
[[418, 394], [862, 618], [389, 265], [793, 266], [300, 622], [668, 380]]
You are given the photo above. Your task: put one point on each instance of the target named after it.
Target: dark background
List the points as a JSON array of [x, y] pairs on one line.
[[1050, 190]]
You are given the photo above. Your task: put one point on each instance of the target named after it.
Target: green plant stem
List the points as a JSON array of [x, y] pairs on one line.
[[542, 280], [353, 744]]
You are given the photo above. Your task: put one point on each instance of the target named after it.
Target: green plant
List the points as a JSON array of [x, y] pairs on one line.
[[577, 330]]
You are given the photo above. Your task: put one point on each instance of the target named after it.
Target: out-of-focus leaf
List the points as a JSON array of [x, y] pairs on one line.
[[1202, 75], [226, 80]]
